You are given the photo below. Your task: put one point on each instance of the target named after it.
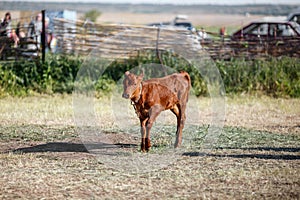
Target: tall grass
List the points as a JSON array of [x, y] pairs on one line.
[[57, 74], [279, 77]]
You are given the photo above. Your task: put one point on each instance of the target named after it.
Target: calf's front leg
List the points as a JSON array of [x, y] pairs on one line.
[[143, 134], [153, 113]]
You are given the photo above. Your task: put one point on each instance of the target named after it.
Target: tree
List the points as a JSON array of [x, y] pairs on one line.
[[92, 15]]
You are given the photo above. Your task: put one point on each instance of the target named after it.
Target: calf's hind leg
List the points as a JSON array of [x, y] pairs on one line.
[[180, 114]]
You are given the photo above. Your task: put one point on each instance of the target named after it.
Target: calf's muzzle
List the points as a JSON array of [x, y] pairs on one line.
[[126, 96]]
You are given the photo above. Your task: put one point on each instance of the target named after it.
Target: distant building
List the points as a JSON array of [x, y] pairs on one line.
[[61, 31], [64, 14]]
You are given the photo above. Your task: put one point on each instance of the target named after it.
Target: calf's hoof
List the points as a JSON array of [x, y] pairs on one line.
[[148, 144], [143, 147], [177, 145]]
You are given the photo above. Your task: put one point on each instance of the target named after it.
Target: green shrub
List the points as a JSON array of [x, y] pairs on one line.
[[92, 15], [57, 74]]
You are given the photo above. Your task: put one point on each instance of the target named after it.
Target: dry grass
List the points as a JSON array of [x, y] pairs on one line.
[[264, 113], [259, 113], [42, 110], [42, 156]]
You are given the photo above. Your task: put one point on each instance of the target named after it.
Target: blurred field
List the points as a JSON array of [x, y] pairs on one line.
[[199, 19]]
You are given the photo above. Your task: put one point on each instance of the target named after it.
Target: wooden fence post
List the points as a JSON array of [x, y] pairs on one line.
[[43, 36]]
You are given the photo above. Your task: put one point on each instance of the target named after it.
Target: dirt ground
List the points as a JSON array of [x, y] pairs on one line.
[[42, 155]]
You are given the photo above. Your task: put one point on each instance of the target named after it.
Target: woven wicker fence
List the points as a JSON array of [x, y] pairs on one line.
[[117, 40], [113, 41], [226, 49]]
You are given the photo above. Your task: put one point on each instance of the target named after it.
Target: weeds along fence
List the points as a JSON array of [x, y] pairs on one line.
[[81, 37], [29, 44], [134, 46]]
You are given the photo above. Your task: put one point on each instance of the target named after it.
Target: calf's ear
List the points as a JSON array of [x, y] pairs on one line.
[[141, 76], [127, 73]]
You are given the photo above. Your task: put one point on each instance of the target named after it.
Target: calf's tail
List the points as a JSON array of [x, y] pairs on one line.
[[187, 77]]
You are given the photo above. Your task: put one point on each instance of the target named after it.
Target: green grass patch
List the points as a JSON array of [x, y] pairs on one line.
[[233, 137], [40, 133], [162, 137]]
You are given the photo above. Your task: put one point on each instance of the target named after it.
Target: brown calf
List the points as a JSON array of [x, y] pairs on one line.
[[153, 96]]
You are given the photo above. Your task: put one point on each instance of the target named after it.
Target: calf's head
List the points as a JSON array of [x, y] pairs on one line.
[[131, 83]]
